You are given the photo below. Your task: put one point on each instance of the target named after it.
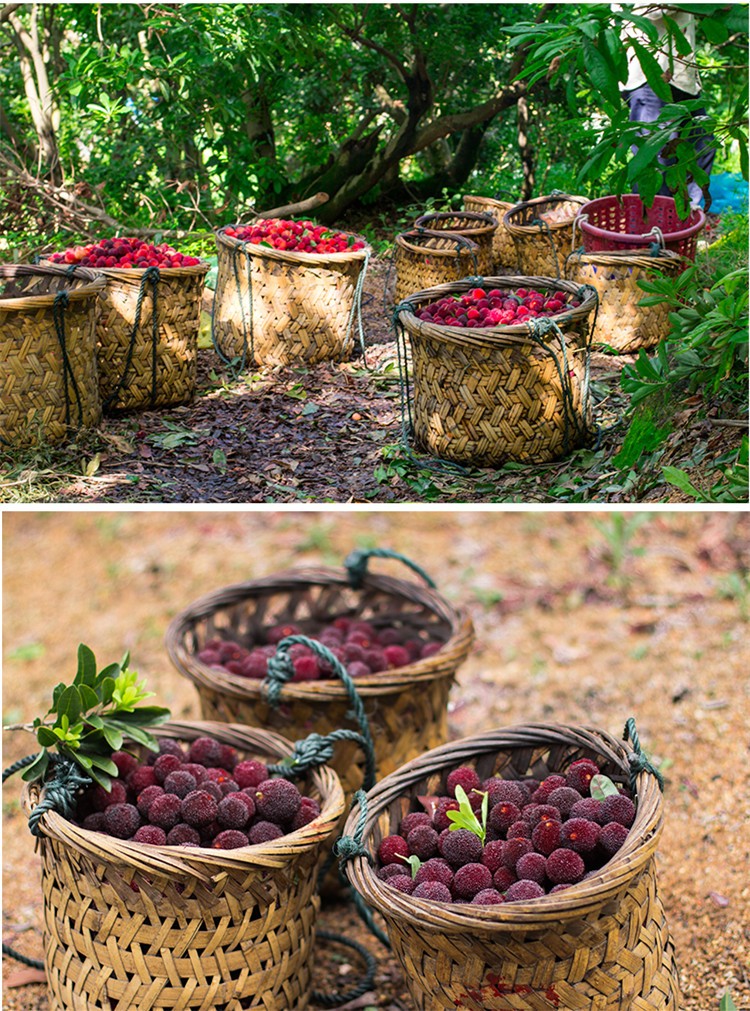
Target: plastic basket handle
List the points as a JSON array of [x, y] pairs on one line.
[[356, 564]]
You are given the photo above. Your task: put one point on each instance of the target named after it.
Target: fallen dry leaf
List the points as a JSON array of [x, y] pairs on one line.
[[23, 977]]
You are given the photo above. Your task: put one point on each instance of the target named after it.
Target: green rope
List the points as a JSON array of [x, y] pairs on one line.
[[281, 670], [356, 564], [315, 750], [336, 999], [152, 274], [357, 309], [60, 304], [237, 365], [350, 847], [59, 793], [544, 225], [637, 760]]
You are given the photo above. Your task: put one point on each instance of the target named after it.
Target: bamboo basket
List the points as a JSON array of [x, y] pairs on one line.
[[163, 928], [423, 259], [503, 247], [276, 307], [485, 396], [600, 945], [48, 375], [406, 707], [480, 228], [623, 324], [541, 246]]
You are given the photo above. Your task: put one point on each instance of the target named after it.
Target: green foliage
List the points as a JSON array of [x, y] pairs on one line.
[[619, 531], [466, 818], [726, 1003], [731, 478], [708, 344], [601, 786], [93, 716]]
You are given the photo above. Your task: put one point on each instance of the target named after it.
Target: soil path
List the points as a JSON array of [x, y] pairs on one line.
[[580, 618]]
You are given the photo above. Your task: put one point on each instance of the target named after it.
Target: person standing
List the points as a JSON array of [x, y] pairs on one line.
[[681, 73]]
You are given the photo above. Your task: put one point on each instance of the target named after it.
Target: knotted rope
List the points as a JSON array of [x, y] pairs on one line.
[[315, 750], [59, 793], [153, 275], [350, 847], [356, 565], [637, 759]]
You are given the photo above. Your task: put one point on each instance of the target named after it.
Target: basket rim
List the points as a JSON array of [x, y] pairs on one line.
[[665, 259], [440, 665], [499, 334], [466, 247], [491, 201], [521, 230], [199, 861], [632, 238], [94, 285], [586, 896], [484, 223], [292, 256]]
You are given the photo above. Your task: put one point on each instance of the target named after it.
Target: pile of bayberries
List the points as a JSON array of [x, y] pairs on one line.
[[361, 648], [507, 840], [480, 308], [200, 794], [296, 236], [122, 252]]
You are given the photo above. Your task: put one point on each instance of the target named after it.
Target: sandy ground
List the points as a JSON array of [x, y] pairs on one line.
[[579, 620]]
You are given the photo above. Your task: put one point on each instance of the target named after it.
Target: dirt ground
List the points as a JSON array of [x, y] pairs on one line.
[[580, 618]]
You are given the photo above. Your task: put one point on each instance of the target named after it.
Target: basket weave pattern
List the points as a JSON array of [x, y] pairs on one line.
[[180, 290], [478, 227], [601, 945], [503, 247], [430, 258], [33, 399], [542, 248], [177, 929], [274, 307], [406, 708], [622, 323], [486, 396]]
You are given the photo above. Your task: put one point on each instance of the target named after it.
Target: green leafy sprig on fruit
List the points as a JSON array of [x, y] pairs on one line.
[[466, 817], [92, 717]]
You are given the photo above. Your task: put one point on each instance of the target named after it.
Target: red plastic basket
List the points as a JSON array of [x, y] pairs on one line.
[[612, 223]]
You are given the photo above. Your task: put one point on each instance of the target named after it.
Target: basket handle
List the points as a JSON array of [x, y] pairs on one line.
[[281, 670], [356, 565]]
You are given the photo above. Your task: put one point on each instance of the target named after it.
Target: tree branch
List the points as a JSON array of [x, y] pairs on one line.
[[376, 47], [7, 10]]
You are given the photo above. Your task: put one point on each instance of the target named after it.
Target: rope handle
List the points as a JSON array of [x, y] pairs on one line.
[[356, 565], [349, 847], [637, 759], [281, 670], [316, 749], [152, 274]]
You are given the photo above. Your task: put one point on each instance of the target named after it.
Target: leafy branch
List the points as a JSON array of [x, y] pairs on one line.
[[466, 817], [92, 717]]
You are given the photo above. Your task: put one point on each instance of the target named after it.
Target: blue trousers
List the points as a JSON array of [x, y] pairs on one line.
[[645, 107]]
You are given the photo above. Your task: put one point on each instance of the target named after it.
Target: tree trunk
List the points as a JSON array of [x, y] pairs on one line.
[[525, 150], [45, 113]]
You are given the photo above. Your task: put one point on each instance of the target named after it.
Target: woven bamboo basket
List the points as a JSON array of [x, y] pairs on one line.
[[480, 228], [423, 259], [623, 324], [600, 945], [485, 396], [276, 307], [542, 245], [163, 928], [503, 247], [48, 376], [406, 707]]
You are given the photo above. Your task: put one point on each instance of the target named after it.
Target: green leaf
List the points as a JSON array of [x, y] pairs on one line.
[[86, 666], [46, 737], [678, 478], [715, 31], [144, 716], [413, 861], [113, 737], [602, 786], [69, 704], [652, 70], [465, 816], [601, 72], [37, 768], [106, 690], [56, 693], [89, 698], [726, 1003]]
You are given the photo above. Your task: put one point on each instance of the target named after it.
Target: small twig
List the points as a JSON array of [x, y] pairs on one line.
[[728, 422]]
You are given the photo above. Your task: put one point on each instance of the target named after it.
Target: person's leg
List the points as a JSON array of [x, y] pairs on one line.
[[701, 141]]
